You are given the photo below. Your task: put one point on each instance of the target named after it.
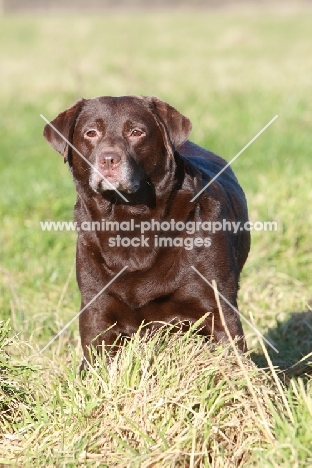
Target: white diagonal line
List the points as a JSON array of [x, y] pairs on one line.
[[235, 309], [235, 157], [80, 312], [82, 156]]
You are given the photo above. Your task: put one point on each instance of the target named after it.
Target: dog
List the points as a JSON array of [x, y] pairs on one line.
[[133, 166]]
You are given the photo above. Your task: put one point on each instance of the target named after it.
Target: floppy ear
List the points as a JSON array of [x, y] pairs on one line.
[[62, 126], [174, 126]]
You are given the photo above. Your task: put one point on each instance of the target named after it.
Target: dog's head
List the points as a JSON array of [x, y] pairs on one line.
[[118, 142]]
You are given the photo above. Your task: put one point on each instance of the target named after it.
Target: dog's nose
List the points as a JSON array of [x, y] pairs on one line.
[[109, 160]]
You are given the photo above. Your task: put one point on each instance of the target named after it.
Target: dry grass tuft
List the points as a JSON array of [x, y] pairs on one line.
[[172, 400]]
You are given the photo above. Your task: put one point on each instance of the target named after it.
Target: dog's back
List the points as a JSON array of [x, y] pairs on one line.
[[213, 167]]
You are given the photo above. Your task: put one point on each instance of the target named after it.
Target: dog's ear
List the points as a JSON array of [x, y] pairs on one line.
[[60, 130], [174, 126]]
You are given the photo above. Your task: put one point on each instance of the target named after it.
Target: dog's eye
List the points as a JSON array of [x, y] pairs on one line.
[[136, 132], [91, 134]]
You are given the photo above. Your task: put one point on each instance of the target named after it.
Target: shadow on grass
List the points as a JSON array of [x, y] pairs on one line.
[[293, 339]]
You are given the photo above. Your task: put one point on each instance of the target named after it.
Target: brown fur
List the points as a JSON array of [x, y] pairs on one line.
[[159, 171]]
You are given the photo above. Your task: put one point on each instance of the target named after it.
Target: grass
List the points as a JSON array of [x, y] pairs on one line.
[[169, 402]]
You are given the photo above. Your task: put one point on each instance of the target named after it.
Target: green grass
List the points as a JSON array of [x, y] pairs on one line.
[[230, 73]]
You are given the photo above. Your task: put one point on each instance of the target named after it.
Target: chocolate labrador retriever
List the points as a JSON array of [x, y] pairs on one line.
[[147, 207]]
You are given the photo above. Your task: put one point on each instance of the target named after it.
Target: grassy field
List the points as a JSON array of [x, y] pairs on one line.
[[169, 402]]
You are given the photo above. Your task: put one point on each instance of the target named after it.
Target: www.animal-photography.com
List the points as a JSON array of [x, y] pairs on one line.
[[155, 306]]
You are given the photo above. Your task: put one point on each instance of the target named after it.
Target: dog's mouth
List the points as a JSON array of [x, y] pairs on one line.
[[114, 172], [112, 181], [109, 183]]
